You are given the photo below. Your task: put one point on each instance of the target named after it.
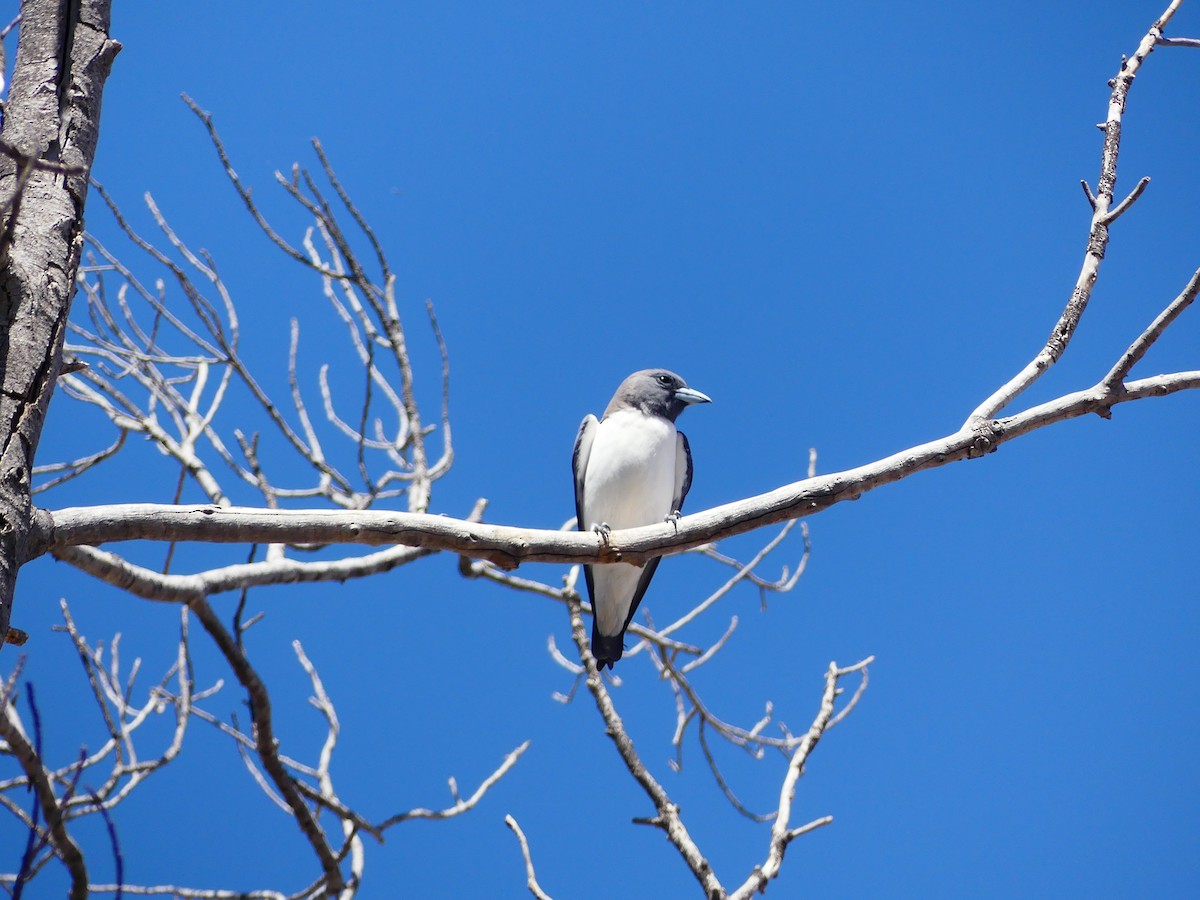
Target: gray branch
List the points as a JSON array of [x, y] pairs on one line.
[[508, 546], [39, 780], [1103, 215], [51, 123]]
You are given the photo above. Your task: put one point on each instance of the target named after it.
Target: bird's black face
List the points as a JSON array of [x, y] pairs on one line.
[[657, 392]]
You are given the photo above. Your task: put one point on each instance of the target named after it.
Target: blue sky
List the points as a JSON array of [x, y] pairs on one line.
[[847, 225]]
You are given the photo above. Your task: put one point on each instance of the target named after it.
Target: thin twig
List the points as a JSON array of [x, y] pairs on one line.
[[781, 833], [531, 880], [1152, 333], [31, 764], [461, 805]]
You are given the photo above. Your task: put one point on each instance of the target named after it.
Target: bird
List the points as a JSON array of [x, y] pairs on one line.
[[632, 467]]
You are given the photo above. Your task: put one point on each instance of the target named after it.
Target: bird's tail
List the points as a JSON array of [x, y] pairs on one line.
[[607, 648]]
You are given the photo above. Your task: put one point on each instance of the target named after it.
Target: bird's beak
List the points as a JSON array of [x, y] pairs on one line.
[[690, 396]]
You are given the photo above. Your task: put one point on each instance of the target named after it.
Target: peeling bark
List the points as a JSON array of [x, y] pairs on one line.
[[47, 146]]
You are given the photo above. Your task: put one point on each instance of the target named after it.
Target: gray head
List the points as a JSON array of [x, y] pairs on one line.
[[656, 392]]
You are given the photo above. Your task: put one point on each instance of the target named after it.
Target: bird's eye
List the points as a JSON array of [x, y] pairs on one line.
[[664, 380]]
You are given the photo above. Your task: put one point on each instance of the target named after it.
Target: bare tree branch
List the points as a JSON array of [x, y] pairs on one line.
[[667, 813], [51, 120], [266, 744], [129, 765], [30, 761], [1102, 217], [461, 805], [177, 891], [530, 875], [1116, 212], [781, 834], [508, 546], [321, 701], [344, 269], [77, 467], [1153, 332], [1178, 42], [179, 588]]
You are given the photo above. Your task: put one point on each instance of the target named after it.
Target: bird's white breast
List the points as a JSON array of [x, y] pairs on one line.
[[630, 477]]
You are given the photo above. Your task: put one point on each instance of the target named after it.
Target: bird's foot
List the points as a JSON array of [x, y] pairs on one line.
[[604, 530], [674, 518]]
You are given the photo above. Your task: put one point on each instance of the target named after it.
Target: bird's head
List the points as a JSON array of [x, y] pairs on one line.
[[656, 392]]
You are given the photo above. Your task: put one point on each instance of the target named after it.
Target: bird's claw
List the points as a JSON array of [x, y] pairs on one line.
[[604, 530], [674, 518]]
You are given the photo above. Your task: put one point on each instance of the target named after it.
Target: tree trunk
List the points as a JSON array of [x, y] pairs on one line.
[[48, 142]]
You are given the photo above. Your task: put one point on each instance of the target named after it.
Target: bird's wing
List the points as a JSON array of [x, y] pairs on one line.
[[579, 463], [683, 472]]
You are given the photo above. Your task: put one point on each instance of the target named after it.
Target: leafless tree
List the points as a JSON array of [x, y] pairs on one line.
[[163, 360]]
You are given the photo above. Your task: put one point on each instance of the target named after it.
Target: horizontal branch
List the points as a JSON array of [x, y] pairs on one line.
[[152, 585], [461, 805], [1179, 42], [509, 546]]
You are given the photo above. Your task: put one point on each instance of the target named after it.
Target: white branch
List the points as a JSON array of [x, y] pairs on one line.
[[509, 546], [460, 805], [154, 585], [530, 874]]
